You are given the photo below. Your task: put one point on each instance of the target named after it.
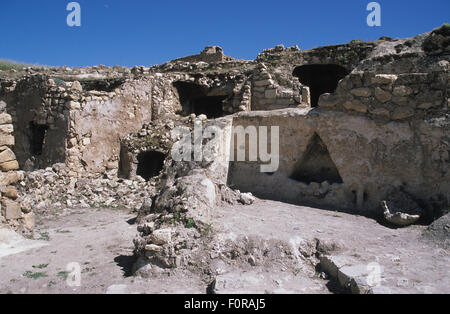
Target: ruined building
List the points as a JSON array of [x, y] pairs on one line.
[[358, 123]]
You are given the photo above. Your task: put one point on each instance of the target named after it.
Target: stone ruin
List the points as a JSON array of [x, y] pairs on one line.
[[359, 124]]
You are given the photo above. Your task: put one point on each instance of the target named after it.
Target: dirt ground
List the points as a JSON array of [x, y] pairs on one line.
[[408, 263], [100, 243]]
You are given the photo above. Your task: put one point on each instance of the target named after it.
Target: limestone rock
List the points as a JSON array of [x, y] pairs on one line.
[[5, 118], [9, 165], [384, 79], [7, 140], [382, 95], [400, 209], [356, 106], [10, 192], [247, 198], [29, 221], [11, 209], [362, 92], [7, 155], [398, 218], [161, 236]]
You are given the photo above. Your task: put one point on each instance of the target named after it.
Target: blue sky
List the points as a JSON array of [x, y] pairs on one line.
[[148, 32]]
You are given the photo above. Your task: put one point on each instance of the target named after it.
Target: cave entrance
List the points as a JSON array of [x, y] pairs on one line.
[[197, 99], [150, 164], [320, 78], [316, 164], [37, 134]]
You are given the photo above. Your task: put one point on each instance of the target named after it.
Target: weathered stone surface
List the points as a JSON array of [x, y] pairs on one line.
[[267, 82], [401, 113], [247, 198], [6, 128], [5, 118], [7, 140], [398, 218], [11, 209], [328, 100], [402, 91], [356, 106], [10, 192], [9, 165], [161, 236], [77, 86], [153, 248], [382, 95], [29, 221], [362, 92], [7, 155], [384, 79], [9, 178], [400, 209], [271, 93]]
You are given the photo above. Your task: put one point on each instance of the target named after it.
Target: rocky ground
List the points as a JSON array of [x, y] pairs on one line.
[[100, 241]]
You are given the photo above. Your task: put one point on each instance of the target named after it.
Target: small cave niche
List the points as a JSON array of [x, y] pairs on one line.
[[198, 100], [150, 164], [316, 164], [37, 135], [320, 78]]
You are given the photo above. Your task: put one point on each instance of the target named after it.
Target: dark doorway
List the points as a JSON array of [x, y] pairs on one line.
[[124, 163], [106, 85], [196, 99], [150, 164], [316, 164], [37, 135], [320, 78]]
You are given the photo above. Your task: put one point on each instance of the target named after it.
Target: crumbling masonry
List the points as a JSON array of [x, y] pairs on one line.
[[358, 122]]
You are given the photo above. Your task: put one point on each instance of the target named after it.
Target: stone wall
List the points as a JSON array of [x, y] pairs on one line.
[[11, 211], [389, 96], [371, 160]]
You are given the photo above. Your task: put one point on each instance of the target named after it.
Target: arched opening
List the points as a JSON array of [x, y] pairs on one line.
[[316, 164], [320, 78], [150, 164], [197, 99], [37, 135]]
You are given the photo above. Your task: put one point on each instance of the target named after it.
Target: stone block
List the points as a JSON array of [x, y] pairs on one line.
[[5, 118], [271, 93], [29, 221], [161, 236], [401, 113], [7, 155], [9, 178], [362, 92], [10, 192], [328, 100], [384, 79], [382, 95], [6, 128], [264, 83], [11, 209], [402, 91], [9, 165], [356, 106], [7, 140]]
